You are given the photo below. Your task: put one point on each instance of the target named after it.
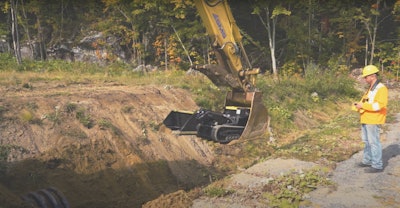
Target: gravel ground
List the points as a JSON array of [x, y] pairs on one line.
[[358, 189]]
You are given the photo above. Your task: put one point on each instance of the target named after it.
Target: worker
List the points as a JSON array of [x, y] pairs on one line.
[[372, 109]]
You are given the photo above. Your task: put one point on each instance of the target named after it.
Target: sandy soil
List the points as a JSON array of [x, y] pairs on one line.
[[101, 145]]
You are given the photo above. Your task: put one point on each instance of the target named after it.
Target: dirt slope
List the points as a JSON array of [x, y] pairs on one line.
[[101, 145]]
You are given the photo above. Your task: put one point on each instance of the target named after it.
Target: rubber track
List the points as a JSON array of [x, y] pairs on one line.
[[46, 198]]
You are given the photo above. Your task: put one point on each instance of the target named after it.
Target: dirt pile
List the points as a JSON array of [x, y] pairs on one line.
[[101, 145]]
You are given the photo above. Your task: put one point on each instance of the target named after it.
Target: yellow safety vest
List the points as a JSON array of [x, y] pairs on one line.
[[374, 103]]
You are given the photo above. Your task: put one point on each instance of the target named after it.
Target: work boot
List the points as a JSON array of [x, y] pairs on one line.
[[373, 170], [362, 165]]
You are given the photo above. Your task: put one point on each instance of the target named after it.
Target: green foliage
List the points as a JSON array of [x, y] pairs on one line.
[[329, 84], [7, 62], [257, 149], [331, 32], [84, 118], [53, 117], [70, 107], [217, 191], [58, 66], [26, 116], [154, 126], [393, 108], [127, 109], [291, 68], [208, 96], [288, 190], [279, 10], [76, 133], [6, 149], [290, 94], [104, 123]]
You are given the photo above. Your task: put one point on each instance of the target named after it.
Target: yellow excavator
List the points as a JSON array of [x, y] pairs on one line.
[[244, 115]]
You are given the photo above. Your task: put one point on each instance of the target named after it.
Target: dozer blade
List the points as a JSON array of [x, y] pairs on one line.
[[244, 117]]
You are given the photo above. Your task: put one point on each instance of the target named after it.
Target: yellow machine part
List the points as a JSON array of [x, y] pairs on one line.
[[223, 31], [257, 122], [244, 115]]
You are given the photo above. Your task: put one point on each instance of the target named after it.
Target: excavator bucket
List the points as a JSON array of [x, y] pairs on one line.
[[244, 117], [257, 122]]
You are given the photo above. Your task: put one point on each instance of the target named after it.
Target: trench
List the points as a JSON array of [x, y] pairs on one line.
[[95, 146], [95, 176]]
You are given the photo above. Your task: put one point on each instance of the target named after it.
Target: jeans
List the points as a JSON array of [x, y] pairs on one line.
[[370, 134]]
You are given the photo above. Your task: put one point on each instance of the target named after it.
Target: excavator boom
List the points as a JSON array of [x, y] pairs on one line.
[[221, 27], [244, 115]]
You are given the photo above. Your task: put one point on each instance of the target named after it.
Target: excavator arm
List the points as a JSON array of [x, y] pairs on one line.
[[244, 115], [227, 45]]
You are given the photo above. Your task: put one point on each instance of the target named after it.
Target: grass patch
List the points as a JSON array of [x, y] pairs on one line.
[[393, 107], [317, 92], [127, 109], [6, 149], [335, 140], [217, 189], [289, 190], [74, 132], [84, 118], [26, 116], [70, 107], [105, 123]]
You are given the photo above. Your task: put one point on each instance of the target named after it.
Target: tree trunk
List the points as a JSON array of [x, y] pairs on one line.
[[42, 47], [183, 46], [14, 31], [165, 53], [28, 35], [375, 29], [271, 40], [366, 52]]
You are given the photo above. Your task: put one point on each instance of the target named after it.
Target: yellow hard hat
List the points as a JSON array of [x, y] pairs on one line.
[[369, 69]]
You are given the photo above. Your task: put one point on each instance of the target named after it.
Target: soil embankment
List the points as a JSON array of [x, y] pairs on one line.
[[100, 145], [104, 146]]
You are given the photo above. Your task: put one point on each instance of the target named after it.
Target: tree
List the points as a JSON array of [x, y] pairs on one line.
[[269, 21], [370, 21], [146, 28], [14, 30], [4, 27]]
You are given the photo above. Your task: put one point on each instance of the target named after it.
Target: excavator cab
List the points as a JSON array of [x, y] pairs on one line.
[[244, 115]]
